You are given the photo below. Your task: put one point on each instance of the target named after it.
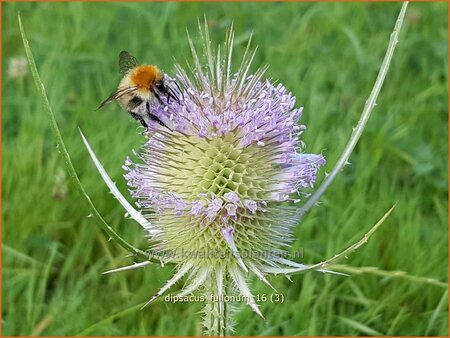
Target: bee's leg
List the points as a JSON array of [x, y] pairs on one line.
[[170, 94], [157, 97], [154, 117], [179, 90], [140, 119]]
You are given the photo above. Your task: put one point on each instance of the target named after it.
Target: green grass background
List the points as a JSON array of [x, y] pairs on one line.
[[328, 54]]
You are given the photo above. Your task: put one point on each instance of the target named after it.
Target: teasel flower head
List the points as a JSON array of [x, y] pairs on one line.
[[218, 185]]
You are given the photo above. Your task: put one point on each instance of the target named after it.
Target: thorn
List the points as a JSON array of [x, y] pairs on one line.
[[149, 302]]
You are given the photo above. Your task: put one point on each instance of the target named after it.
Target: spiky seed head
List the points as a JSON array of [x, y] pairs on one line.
[[216, 185]]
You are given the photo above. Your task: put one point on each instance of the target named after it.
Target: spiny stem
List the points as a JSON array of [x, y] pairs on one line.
[[356, 245], [383, 273], [217, 320], [66, 157], [325, 264], [368, 108]]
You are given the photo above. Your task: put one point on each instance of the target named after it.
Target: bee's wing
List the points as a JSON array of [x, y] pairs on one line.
[[127, 62], [117, 94]]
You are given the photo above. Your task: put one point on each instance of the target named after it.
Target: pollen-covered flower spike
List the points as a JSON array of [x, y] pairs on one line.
[[215, 184]]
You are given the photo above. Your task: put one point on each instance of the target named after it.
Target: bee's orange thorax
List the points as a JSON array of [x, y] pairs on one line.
[[145, 76]]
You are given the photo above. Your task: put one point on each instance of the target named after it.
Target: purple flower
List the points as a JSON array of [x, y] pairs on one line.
[[213, 208], [218, 179]]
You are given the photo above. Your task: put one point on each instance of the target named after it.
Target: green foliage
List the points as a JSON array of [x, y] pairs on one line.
[[328, 55]]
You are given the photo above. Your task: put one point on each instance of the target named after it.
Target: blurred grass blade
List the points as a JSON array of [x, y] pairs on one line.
[[360, 327], [439, 309], [108, 320], [368, 108], [63, 151], [19, 256]]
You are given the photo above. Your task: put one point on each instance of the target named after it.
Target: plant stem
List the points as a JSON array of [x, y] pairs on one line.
[[217, 319], [66, 157], [343, 254], [395, 274], [357, 132]]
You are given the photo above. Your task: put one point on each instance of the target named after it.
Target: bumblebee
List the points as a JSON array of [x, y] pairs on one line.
[[140, 85]]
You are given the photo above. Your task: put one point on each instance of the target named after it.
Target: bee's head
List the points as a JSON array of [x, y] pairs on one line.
[[160, 86]]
